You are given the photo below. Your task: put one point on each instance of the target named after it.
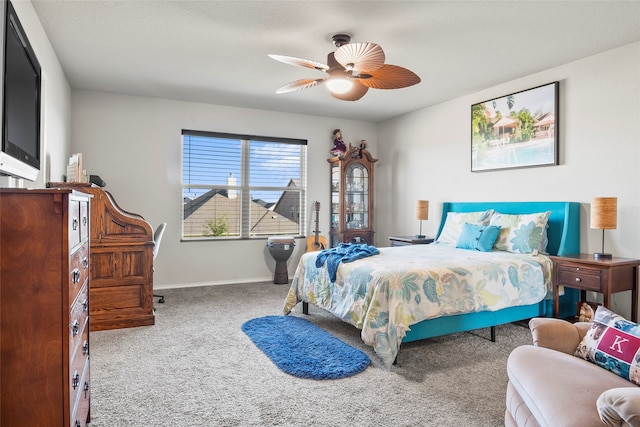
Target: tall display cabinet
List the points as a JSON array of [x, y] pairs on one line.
[[352, 197]]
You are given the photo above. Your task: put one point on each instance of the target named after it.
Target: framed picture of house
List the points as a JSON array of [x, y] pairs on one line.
[[515, 131]]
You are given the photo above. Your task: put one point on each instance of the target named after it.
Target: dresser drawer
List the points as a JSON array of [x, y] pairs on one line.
[[84, 221], [79, 348], [588, 278], [79, 322], [74, 223], [78, 270], [80, 396]]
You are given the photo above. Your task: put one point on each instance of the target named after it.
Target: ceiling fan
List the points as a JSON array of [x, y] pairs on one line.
[[351, 70]]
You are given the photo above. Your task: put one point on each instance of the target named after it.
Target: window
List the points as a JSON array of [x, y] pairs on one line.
[[240, 186]]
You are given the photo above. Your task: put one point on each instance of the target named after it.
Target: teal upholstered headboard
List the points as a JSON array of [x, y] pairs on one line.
[[564, 221]]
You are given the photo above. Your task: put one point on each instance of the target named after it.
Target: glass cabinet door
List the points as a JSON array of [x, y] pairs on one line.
[[356, 196]]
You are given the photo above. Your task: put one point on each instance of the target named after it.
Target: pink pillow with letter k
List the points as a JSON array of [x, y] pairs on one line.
[[613, 343]]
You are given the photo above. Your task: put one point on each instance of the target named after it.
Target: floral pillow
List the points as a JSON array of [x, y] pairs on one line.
[[612, 343], [455, 222], [522, 234]]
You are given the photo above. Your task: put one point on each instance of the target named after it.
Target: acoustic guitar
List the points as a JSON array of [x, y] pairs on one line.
[[317, 242]]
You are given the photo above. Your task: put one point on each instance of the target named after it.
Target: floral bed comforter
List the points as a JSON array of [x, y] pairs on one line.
[[383, 295]]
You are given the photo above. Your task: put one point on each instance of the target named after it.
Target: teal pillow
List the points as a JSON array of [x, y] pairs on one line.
[[456, 220], [478, 237]]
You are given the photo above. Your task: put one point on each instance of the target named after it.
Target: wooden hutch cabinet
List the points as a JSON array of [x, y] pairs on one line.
[[352, 197], [121, 263], [44, 307]]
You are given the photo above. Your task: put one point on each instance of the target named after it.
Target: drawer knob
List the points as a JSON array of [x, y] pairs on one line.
[[85, 348], [75, 275], [85, 305], [74, 224], [86, 389], [578, 279], [75, 327], [85, 262], [75, 380]]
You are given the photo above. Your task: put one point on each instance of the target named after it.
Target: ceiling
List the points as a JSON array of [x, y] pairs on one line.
[[216, 51]]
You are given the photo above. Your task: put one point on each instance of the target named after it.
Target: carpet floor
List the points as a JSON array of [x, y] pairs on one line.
[[195, 367]]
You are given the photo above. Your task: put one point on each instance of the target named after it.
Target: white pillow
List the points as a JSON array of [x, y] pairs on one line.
[[455, 222]]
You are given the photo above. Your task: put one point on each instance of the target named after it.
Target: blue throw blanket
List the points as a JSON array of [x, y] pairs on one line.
[[344, 252]]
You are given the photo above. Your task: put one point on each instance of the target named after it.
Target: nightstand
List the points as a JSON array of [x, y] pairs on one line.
[[606, 276], [410, 240]]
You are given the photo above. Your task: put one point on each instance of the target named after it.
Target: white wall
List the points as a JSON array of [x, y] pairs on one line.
[[427, 155], [134, 144], [56, 100]]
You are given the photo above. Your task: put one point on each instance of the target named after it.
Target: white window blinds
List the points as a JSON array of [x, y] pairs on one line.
[[240, 186]]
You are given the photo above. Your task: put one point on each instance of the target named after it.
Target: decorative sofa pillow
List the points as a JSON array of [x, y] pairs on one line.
[[478, 237], [612, 343], [521, 234], [455, 222]]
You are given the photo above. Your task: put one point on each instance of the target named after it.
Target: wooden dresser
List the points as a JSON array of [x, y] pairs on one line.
[[121, 263], [44, 308]]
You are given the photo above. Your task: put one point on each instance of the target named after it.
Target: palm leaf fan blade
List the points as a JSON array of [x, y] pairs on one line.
[[299, 84], [389, 77], [300, 62], [360, 57]]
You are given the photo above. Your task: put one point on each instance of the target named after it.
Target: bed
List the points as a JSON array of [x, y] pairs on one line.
[[409, 293]]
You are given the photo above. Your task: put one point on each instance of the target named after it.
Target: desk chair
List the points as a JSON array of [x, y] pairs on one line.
[[157, 238]]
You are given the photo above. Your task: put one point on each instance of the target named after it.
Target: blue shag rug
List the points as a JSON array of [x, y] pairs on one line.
[[302, 349]]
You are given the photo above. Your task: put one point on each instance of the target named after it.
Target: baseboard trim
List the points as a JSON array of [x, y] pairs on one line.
[[216, 283]]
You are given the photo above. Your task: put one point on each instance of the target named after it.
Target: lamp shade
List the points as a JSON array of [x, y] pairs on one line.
[[604, 213], [422, 210]]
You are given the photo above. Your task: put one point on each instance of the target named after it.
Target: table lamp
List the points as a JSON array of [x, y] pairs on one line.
[[422, 214], [604, 216]]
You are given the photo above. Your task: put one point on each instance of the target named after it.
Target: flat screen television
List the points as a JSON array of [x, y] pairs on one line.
[[21, 87]]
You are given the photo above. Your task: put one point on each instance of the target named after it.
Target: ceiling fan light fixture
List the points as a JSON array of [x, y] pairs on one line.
[[351, 70], [339, 85]]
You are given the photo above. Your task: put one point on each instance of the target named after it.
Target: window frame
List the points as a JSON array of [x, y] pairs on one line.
[[244, 187]]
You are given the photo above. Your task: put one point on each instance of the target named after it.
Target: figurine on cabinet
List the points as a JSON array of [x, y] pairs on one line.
[[339, 147], [363, 146]]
